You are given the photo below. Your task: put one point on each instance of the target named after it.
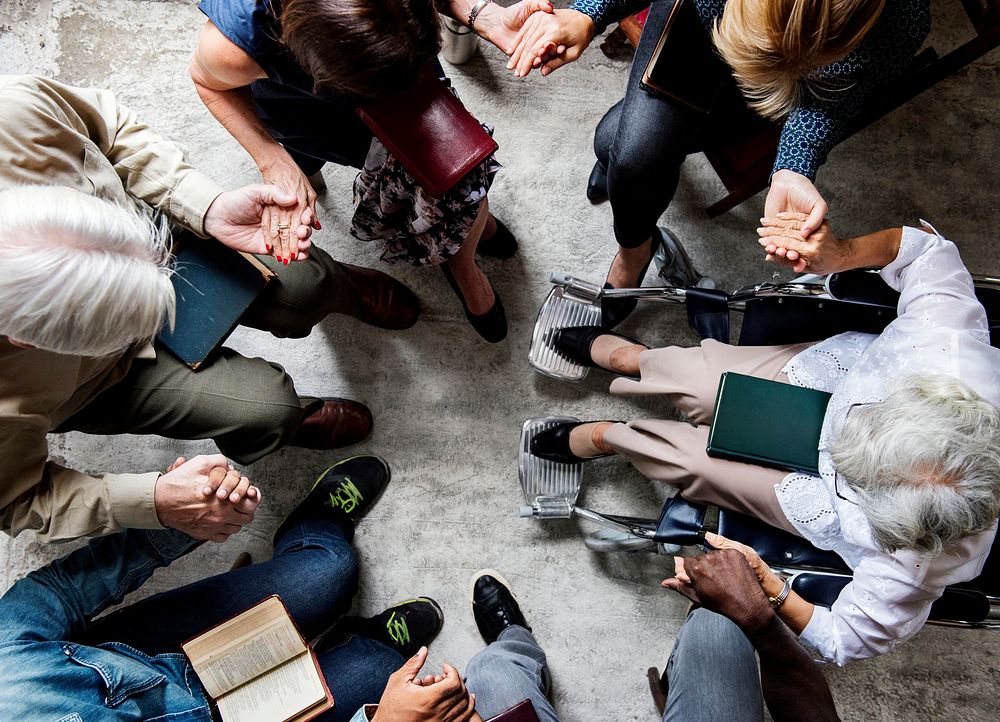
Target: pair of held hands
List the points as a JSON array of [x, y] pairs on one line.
[[206, 498]]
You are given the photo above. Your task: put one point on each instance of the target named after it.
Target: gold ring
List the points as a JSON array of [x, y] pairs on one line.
[[283, 226]]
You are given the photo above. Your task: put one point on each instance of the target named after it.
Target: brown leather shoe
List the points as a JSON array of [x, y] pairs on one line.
[[340, 422], [385, 302]]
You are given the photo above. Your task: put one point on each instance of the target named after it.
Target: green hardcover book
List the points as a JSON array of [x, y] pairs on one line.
[[768, 423], [214, 285]]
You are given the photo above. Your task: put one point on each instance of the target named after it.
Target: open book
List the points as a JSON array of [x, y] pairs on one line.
[[257, 667]]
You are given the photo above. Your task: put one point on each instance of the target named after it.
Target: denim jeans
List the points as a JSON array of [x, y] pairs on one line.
[[509, 671], [712, 673], [58, 665], [315, 572], [644, 138]]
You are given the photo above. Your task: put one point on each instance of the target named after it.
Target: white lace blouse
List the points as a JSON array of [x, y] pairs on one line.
[[941, 329]]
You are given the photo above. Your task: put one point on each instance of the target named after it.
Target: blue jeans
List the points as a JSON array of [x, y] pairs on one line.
[[509, 671], [712, 673], [315, 572], [644, 138]]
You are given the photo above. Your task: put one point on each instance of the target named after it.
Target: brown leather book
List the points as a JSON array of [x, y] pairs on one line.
[[522, 712], [428, 129]]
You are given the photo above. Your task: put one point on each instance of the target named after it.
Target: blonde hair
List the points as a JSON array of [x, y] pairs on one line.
[[79, 275], [773, 45]]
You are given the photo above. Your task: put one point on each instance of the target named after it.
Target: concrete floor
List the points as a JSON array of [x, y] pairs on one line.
[[449, 407]]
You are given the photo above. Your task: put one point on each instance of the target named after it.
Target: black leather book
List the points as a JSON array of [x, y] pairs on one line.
[[214, 286], [684, 65], [768, 423]]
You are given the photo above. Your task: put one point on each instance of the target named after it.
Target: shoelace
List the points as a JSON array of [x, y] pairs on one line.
[[397, 630], [345, 497]]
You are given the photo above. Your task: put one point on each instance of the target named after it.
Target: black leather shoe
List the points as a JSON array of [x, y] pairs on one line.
[[553, 444], [344, 492], [501, 244], [492, 325], [574, 342], [597, 184], [616, 310], [494, 605]]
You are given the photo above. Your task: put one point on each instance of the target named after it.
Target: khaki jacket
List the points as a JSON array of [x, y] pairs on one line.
[[54, 134]]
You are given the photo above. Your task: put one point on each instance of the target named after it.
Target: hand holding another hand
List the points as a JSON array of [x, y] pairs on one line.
[[550, 41], [205, 498], [730, 581], [436, 698], [822, 252], [262, 219]]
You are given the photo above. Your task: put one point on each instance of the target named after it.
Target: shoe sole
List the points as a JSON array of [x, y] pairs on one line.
[[489, 573], [388, 472]]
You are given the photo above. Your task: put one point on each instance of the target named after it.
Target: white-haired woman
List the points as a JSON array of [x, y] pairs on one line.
[[808, 63], [909, 486]]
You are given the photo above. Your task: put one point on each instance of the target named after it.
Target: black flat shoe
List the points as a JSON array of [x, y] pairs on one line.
[[574, 342], [501, 244], [553, 444], [597, 184], [616, 310], [492, 325]]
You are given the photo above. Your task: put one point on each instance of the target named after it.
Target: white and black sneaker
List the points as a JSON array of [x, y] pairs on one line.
[[494, 605]]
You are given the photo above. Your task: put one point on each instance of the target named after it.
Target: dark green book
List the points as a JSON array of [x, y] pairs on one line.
[[768, 423], [214, 285]]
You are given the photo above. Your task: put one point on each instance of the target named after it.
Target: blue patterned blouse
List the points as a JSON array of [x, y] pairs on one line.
[[815, 126]]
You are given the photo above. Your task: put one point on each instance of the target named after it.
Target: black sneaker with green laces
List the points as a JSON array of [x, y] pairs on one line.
[[405, 627], [345, 491]]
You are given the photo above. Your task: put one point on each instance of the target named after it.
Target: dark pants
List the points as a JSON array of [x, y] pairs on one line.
[[315, 572], [643, 140], [248, 406]]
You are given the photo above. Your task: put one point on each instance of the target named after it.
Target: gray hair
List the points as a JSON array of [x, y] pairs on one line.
[[925, 463], [80, 275]]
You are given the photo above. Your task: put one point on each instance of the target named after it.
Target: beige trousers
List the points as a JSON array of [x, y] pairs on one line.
[[674, 451]]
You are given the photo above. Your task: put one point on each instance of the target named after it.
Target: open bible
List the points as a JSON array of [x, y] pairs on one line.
[[257, 667]]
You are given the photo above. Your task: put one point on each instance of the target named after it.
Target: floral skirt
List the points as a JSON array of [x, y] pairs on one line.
[[414, 226]]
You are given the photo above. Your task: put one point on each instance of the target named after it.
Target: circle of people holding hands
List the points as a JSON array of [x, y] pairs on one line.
[[93, 201]]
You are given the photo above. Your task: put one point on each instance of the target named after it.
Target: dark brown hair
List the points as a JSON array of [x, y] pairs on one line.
[[367, 47]]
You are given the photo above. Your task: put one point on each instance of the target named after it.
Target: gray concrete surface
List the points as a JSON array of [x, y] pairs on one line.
[[449, 407]]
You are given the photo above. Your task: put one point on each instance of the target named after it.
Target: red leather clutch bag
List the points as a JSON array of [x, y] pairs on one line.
[[430, 132]]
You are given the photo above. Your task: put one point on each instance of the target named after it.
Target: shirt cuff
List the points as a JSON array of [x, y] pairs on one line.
[[816, 635], [365, 714], [131, 497], [190, 200], [911, 246]]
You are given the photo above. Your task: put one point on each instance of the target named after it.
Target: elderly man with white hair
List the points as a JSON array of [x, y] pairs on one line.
[[908, 491], [85, 286]]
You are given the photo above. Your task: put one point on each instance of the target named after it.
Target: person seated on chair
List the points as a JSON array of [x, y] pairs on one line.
[[908, 492], [85, 286], [61, 663], [511, 669], [811, 65], [285, 79]]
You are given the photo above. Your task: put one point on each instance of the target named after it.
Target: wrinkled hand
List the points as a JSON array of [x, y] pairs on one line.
[[205, 498], [436, 698], [550, 41], [822, 253], [723, 582], [793, 192], [500, 25], [287, 228], [236, 219]]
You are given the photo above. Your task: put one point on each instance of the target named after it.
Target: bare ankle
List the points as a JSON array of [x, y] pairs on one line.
[[625, 359]]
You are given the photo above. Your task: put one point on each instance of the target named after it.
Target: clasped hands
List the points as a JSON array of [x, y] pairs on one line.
[[206, 498], [267, 218], [435, 698]]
